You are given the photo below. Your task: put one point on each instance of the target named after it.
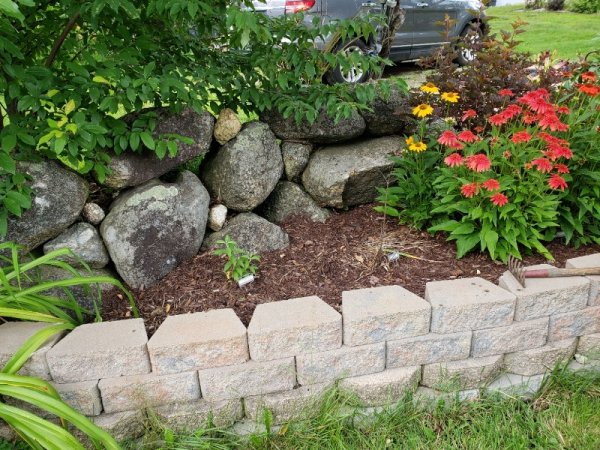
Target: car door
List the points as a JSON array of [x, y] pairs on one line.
[[426, 26]]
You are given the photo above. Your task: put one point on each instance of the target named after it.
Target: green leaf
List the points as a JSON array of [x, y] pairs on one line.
[[11, 9], [491, 239], [9, 142], [464, 244], [147, 140], [7, 163]]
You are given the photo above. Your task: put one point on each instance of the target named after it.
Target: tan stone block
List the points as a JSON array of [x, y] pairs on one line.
[[518, 336], [83, 396], [188, 417], [584, 262], [428, 349], [589, 345], [573, 324], [122, 425], [540, 360], [470, 373]]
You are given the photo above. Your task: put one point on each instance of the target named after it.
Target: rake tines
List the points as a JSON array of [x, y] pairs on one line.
[[516, 269]]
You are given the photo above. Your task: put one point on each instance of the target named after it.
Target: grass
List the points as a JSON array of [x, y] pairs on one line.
[[567, 34]]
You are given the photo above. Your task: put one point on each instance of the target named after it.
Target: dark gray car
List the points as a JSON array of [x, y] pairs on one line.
[[420, 34]]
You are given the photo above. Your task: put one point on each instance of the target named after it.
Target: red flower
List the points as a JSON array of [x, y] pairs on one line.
[[479, 162], [563, 110], [588, 76], [450, 139], [521, 136], [561, 151], [468, 114], [505, 93], [499, 199], [467, 136], [498, 119], [491, 185], [512, 111], [469, 190], [557, 182], [561, 168], [589, 89], [542, 164], [551, 120], [454, 160], [506, 154], [548, 138], [537, 101], [528, 118]]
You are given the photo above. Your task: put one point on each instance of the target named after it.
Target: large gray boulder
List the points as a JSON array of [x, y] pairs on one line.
[[323, 131], [152, 228], [251, 233], [295, 158], [132, 169], [59, 196], [392, 115], [85, 243], [288, 199], [349, 174], [243, 173]]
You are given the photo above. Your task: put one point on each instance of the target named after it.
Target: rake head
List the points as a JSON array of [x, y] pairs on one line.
[[516, 269]]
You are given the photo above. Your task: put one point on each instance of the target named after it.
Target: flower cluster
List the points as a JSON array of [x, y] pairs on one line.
[[589, 84]]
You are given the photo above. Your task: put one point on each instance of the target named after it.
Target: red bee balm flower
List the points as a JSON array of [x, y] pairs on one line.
[[479, 162], [468, 114], [450, 139], [491, 185], [542, 164], [521, 136], [467, 136], [498, 119], [454, 160], [557, 182], [588, 76], [499, 199], [561, 168], [505, 93], [469, 190], [589, 89]]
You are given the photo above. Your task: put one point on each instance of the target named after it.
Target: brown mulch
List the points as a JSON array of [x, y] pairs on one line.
[[324, 260]]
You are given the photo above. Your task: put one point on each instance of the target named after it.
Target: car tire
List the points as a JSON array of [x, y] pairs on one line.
[[470, 36], [355, 75]]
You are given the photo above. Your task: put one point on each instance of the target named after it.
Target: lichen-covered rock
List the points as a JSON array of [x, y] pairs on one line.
[[132, 169], [295, 158], [391, 115], [85, 243], [349, 174], [251, 233], [324, 130], [59, 196], [288, 199], [227, 126], [151, 229], [93, 213], [242, 174]]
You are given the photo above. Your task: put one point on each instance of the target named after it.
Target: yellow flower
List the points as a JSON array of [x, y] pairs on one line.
[[422, 110], [417, 147], [450, 97], [430, 88], [409, 140]]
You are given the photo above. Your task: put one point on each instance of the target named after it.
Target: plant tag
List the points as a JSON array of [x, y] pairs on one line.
[[394, 256], [246, 280]]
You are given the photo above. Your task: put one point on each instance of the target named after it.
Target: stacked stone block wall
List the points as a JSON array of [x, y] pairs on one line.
[[466, 335]]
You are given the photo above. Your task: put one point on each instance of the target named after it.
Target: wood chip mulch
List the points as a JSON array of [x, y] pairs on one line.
[[324, 260]]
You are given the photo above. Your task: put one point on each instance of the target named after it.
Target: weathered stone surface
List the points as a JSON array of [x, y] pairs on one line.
[[85, 243], [59, 196], [122, 425], [6, 432], [428, 349], [12, 337], [152, 228], [584, 262], [100, 350], [458, 375], [540, 360], [592, 365], [293, 327], [141, 391], [573, 324], [227, 126], [383, 388], [349, 174], [589, 345], [544, 296], [250, 378], [518, 336], [344, 362], [133, 169], [389, 116], [468, 304], [297, 404], [83, 396], [248, 427], [288, 199], [217, 216], [323, 131], [430, 397], [515, 384], [93, 213], [198, 341], [251, 233], [187, 417], [243, 173], [295, 158], [383, 313]]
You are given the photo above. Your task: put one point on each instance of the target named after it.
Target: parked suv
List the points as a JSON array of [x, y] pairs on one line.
[[420, 34]]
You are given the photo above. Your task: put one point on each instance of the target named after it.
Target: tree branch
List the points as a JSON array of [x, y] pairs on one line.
[[61, 39]]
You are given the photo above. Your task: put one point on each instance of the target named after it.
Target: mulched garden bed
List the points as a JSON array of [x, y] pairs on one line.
[[323, 260]]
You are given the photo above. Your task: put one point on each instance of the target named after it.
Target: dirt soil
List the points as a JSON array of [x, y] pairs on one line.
[[324, 260]]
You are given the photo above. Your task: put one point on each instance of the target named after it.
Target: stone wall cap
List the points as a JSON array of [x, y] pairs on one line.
[[535, 285], [381, 300], [14, 334], [465, 291]]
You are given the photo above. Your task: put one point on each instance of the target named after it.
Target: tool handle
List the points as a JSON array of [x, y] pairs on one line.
[[554, 273]]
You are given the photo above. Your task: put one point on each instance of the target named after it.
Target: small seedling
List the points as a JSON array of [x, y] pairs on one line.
[[239, 261]]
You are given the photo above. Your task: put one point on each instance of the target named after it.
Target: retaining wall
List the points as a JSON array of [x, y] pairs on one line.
[[465, 335]]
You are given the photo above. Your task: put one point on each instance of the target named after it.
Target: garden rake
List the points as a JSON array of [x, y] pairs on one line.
[[516, 269]]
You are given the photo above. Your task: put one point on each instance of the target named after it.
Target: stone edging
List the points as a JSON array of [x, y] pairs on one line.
[[387, 340]]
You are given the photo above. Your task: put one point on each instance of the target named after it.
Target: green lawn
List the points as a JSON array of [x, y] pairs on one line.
[[568, 34]]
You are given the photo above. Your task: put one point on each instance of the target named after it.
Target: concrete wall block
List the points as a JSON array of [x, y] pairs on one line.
[[518, 336], [589, 345], [139, 391], [545, 296], [428, 397], [122, 425], [186, 417], [293, 327], [573, 324], [383, 313], [468, 304], [515, 384], [198, 341], [469, 373], [83, 396], [341, 363], [584, 262], [100, 350], [428, 349], [383, 388], [540, 360], [250, 378]]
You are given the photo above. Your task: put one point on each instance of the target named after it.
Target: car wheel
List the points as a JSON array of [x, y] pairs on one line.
[[355, 74], [467, 47]]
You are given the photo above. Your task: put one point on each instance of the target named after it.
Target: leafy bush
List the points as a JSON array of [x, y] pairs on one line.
[[584, 6], [555, 5], [239, 261]]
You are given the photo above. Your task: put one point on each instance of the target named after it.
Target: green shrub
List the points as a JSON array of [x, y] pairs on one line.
[[555, 5], [584, 6]]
